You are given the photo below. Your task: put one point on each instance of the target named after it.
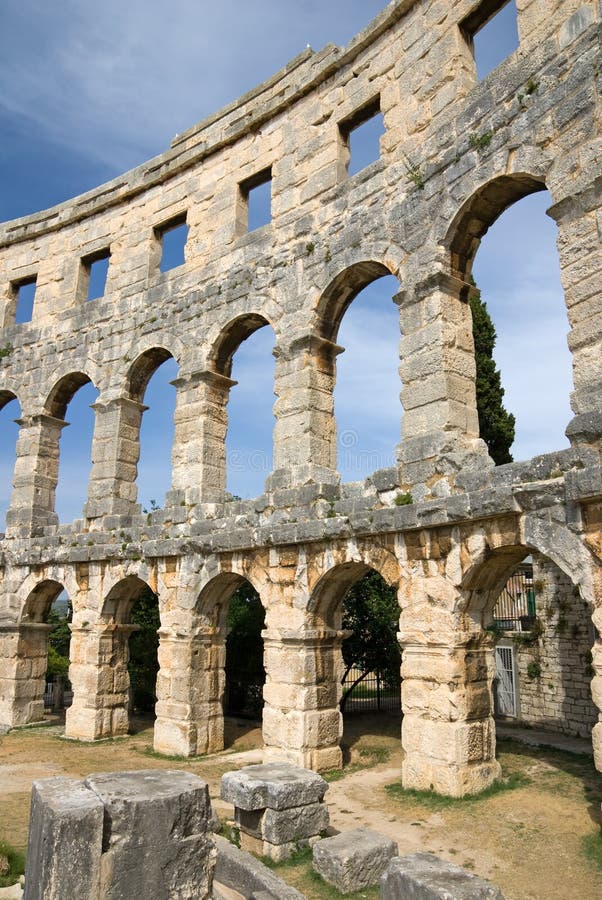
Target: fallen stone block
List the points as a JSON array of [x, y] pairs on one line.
[[155, 835], [239, 870], [423, 876], [273, 785], [354, 859], [277, 807], [65, 841]]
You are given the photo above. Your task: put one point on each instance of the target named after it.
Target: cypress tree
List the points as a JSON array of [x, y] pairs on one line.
[[496, 424]]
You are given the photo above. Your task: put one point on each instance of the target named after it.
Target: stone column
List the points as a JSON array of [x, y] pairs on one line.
[[597, 690], [302, 722], [35, 475], [201, 423], [581, 275], [99, 677], [305, 435], [438, 374], [115, 453], [190, 688], [448, 732], [23, 665]]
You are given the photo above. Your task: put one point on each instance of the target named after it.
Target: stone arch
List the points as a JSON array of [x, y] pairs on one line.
[[7, 396], [99, 674], [231, 337], [479, 212], [63, 392], [23, 702], [329, 589], [336, 298], [142, 370]]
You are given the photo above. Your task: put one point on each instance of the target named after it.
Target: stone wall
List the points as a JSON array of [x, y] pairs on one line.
[[559, 698], [455, 154]]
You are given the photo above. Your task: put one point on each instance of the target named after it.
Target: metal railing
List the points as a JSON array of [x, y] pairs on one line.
[[370, 692]]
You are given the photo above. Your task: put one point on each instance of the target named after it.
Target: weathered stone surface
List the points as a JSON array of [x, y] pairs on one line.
[[277, 786], [353, 859], [250, 877], [423, 876], [155, 840], [282, 826], [65, 841]]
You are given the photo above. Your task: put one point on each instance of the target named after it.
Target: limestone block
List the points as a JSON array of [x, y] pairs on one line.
[[248, 876], [282, 826], [155, 840], [65, 841], [354, 859], [423, 876], [276, 786]]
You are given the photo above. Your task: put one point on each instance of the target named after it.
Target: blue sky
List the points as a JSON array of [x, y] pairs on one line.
[[88, 91]]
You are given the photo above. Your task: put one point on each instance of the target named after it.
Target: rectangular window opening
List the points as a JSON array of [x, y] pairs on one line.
[[361, 134], [24, 292], [256, 194], [173, 236], [96, 268], [491, 31]]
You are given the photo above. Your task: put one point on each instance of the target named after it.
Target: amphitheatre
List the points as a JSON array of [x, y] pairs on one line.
[[445, 526]]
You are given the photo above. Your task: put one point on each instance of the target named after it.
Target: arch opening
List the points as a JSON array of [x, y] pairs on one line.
[[73, 399], [131, 610], [367, 404], [245, 356], [43, 653], [232, 619], [504, 238], [10, 413], [150, 384], [354, 601], [543, 634]]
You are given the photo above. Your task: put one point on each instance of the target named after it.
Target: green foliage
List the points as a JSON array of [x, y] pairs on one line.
[[56, 665], [245, 674], [480, 142], [534, 669], [16, 864], [5, 351], [59, 641], [591, 845], [372, 615], [496, 425], [143, 664], [403, 499]]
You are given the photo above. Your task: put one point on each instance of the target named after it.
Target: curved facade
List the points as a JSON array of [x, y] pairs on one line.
[[454, 155]]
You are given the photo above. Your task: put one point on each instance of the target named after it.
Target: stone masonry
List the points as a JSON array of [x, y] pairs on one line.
[[454, 155]]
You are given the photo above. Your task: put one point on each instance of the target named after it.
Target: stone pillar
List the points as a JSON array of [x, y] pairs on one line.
[[581, 275], [302, 722], [99, 677], [190, 688], [35, 475], [448, 732], [201, 423], [115, 454], [305, 435], [597, 691], [438, 374], [23, 665]]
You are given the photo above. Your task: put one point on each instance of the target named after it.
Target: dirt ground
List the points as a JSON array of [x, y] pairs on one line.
[[540, 839]]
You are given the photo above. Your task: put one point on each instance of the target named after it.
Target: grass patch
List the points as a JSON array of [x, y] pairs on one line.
[[369, 755], [16, 864], [591, 847], [436, 801], [148, 751]]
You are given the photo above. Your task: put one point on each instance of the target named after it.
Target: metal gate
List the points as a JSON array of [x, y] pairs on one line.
[[505, 699]]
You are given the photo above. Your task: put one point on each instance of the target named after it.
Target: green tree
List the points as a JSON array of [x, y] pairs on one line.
[[144, 664], [496, 424], [59, 641], [372, 615]]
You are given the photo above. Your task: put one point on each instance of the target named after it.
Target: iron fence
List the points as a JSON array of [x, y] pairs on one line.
[[370, 692]]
